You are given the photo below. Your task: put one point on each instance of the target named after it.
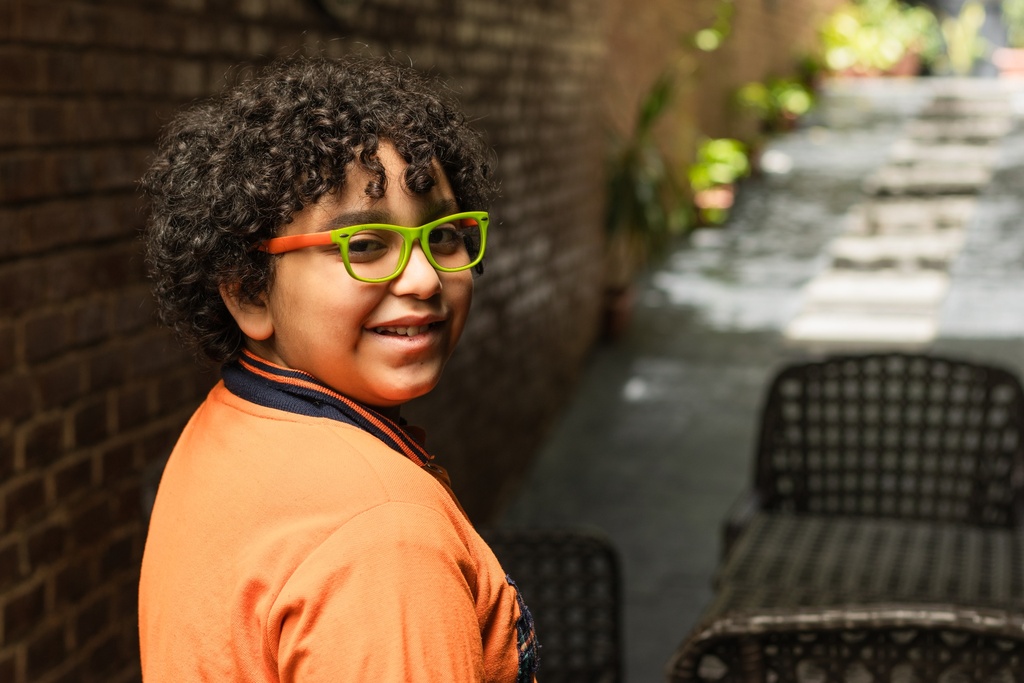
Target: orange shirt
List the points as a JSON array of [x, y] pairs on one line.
[[284, 547]]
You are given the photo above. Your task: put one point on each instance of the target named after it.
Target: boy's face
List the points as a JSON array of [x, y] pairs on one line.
[[380, 344]]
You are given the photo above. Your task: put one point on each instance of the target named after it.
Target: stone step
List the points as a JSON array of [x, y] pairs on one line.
[[957, 154], [927, 179], [854, 331], [956, 129], [910, 215], [975, 106], [876, 291], [901, 252]]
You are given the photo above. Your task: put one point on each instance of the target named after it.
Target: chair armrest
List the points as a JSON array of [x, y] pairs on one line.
[[742, 510]]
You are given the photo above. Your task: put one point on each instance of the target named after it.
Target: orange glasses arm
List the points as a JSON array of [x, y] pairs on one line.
[[279, 245]]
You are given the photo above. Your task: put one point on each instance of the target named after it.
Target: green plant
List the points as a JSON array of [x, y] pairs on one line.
[[719, 163], [645, 203], [873, 36], [962, 39], [1013, 19], [711, 38], [777, 103]]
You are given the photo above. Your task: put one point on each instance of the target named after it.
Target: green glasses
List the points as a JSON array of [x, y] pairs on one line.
[[379, 252]]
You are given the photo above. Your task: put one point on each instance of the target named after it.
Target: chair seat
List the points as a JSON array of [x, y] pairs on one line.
[[826, 598], [788, 560]]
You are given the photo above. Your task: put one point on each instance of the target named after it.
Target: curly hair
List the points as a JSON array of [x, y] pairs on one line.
[[231, 171]]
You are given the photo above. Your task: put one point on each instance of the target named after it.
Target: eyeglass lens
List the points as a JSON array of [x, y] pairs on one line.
[[375, 253]]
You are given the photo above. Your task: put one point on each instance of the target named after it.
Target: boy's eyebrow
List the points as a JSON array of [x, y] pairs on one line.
[[436, 209]]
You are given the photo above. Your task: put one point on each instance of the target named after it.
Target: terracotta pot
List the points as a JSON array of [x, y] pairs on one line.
[[1009, 61]]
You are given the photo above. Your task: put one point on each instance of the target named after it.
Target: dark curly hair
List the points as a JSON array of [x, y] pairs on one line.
[[231, 171]]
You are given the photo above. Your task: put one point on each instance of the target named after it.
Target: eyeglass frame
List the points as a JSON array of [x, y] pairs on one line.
[[341, 236]]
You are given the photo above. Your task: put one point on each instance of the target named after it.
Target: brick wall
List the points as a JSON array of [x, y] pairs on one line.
[[93, 394], [768, 38]]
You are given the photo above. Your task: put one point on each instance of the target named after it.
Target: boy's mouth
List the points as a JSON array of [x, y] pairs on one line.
[[404, 331]]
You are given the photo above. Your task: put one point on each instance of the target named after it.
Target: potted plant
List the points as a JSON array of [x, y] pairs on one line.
[[962, 37], [719, 164], [1010, 59], [879, 37], [777, 103], [645, 204]]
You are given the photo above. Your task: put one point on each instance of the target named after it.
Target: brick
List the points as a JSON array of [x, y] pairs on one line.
[[26, 175], [127, 504], [65, 23], [6, 454], [74, 582], [112, 217], [72, 478], [120, 554], [23, 501], [43, 442], [132, 408], [65, 71], [20, 69], [8, 660], [89, 322], [46, 651], [118, 462], [23, 612], [58, 383], [92, 620], [105, 368], [46, 545], [15, 396], [20, 283], [6, 347], [72, 275], [14, 124], [10, 243], [51, 224], [133, 309], [105, 657], [90, 422], [10, 566], [45, 335], [90, 522]]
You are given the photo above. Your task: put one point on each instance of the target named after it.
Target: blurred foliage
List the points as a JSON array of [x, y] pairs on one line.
[[719, 164], [777, 103], [711, 38], [873, 36], [963, 41], [644, 198], [1013, 19]]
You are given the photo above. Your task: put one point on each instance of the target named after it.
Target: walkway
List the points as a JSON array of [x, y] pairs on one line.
[[659, 439]]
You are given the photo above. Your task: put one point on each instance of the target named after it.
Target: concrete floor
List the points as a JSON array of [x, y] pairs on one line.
[[659, 439]]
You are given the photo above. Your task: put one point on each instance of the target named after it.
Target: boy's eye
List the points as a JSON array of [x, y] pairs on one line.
[[445, 239], [366, 246]]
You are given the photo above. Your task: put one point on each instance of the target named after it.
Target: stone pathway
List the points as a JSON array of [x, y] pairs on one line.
[[889, 270], [658, 441]]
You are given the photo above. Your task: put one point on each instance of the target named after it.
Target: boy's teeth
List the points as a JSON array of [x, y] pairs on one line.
[[405, 331]]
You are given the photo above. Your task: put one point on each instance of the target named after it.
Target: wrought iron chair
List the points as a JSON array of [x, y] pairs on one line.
[[890, 435], [882, 538], [571, 581]]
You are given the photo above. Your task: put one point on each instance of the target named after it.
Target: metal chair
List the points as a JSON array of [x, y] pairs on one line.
[[571, 581], [891, 435], [881, 540]]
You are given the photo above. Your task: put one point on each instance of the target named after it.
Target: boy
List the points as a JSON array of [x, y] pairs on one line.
[[316, 230]]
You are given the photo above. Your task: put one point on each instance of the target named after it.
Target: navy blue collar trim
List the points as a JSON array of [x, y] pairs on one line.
[[272, 386]]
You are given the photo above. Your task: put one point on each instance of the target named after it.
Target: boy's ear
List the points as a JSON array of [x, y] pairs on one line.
[[252, 317]]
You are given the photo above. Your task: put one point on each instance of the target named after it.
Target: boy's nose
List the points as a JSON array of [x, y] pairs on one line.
[[419, 278]]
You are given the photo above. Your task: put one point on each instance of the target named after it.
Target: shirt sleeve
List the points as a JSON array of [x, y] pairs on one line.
[[390, 596]]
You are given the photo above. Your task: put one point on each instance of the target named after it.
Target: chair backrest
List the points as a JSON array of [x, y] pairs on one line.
[[896, 435], [570, 580]]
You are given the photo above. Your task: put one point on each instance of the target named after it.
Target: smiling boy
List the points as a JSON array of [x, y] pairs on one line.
[[316, 230]]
